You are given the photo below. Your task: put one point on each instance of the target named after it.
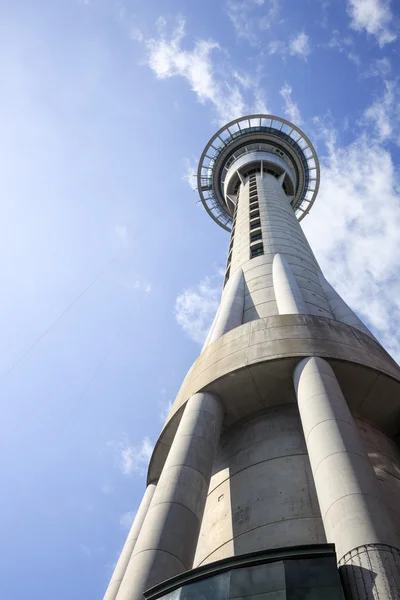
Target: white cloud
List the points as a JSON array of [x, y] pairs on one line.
[[136, 34], [122, 232], [382, 117], [375, 16], [277, 47], [206, 68], [195, 308], [127, 519], [253, 84], [191, 173], [167, 58], [165, 405], [129, 282], [381, 67], [129, 457], [291, 109], [300, 45], [251, 18], [354, 231], [143, 286], [380, 113], [344, 45]]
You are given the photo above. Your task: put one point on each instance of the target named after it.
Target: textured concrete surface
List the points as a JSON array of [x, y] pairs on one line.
[[276, 309], [355, 516], [168, 537], [261, 494], [349, 495], [251, 367], [129, 545]]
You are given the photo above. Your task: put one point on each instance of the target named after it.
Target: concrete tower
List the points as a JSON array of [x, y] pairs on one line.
[[277, 473]]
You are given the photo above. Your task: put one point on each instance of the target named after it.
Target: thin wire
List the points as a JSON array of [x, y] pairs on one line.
[[99, 365], [87, 288], [63, 426]]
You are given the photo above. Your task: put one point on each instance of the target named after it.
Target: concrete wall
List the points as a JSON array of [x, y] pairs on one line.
[[261, 494], [384, 456], [281, 233]]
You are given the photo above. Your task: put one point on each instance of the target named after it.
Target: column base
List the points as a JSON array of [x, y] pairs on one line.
[[371, 572]]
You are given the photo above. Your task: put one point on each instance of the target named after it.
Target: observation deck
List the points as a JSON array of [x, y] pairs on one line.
[[249, 144]]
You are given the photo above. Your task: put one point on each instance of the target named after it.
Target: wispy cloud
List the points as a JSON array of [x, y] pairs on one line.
[[129, 457], [122, 233], [345, 45], [299, 46], [383, 114], [130, 282], [374, 16], [205, 66], [165, 405], [251, 18], [190, 175], [353, 229], [167, 58], [195, 308], [127, 519], [290, 107]]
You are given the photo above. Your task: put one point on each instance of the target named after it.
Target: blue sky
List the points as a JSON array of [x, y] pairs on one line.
[[104, 110]]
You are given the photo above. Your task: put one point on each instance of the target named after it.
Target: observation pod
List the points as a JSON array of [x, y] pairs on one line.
[[277, 473]]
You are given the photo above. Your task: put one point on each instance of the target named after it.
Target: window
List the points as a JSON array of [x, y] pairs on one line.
[[255, 236], [254, 205], [255, 224], [258, 251], [254, 214]]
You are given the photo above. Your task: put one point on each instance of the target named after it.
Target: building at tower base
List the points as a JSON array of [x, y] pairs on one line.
[[277, 473]]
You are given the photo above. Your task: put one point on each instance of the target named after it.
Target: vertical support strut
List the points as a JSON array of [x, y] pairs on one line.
[[354, 515], [168, 538], [129, 545], [289, 297], [230, 312]]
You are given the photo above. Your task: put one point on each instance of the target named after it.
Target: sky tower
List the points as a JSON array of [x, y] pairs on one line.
[[277, 473]]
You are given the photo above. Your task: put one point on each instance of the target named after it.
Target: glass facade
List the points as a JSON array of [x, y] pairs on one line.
[[301, 577]]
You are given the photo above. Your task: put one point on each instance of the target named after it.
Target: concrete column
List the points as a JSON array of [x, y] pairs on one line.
[[129, 545], [354, 515], [288, 294], [168, 538], [230, 312]]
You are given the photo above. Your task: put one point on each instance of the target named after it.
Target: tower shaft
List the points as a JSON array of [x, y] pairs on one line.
[[278, 468]]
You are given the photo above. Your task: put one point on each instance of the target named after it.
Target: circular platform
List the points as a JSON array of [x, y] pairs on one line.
[[265, 134]]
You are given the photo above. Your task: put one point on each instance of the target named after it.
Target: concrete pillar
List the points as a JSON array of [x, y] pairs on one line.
[[129, 545], [230, 312], [288, 294], [355, 517], [168, 538]]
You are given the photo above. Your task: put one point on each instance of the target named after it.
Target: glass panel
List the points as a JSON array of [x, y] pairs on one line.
[[212, 588]]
